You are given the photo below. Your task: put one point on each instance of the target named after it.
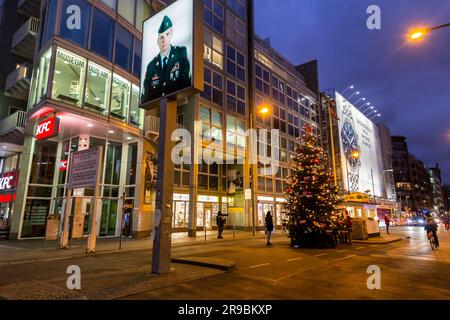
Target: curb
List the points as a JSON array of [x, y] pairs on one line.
[[219, 264]]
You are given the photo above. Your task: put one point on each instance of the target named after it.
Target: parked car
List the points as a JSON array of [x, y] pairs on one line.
[[416, 221]]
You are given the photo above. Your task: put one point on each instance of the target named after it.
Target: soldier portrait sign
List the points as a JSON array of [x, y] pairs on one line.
[[169, 53]]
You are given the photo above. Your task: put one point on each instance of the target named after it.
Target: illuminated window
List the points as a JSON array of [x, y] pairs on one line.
[[213, 49], [40, 78], [68, 79], [120, 98], [97, 89], [136, 114]]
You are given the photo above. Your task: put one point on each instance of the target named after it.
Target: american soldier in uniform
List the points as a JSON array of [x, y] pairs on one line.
[[169, 71]]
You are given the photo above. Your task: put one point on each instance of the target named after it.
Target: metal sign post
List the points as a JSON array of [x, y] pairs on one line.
[[92, 240]]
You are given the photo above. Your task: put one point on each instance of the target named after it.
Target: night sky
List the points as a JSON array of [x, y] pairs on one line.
[[409, 84]]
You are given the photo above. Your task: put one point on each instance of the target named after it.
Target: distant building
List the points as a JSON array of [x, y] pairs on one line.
[[436, 184], [412, 181]]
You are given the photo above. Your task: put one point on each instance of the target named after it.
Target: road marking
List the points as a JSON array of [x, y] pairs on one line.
[[359, 248], [295, 259], [341, 250], [347, 257], [259, 265], [320, 255], [374, 245]]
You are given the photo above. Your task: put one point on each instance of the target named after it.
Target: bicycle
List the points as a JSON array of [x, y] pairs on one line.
[[431, 239]]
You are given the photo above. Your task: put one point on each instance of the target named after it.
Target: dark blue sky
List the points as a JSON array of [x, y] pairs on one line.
[[410, 84]]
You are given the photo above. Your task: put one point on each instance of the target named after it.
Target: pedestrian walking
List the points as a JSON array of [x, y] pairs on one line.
[[269, 227], [221, 219], [387, 222]]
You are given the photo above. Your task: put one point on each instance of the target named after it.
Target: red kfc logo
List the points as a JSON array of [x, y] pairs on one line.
[[47, 129]]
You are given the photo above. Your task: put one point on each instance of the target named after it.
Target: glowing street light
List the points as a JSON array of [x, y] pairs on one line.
[[355, 93], [360, 99], [348, 88], [418, 34]]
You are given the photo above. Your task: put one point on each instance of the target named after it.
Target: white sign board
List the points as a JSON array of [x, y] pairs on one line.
[[358, 133], [83, 169], [248, 194]]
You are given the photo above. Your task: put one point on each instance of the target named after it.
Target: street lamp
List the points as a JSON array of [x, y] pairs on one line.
[[368, 108], [355, 154], [360, 99], [418, 34], [348, 88], [262, 109], [355, 93]]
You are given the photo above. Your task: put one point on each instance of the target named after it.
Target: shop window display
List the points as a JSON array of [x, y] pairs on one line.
[[68, 79], [97, 89], [120, 99]]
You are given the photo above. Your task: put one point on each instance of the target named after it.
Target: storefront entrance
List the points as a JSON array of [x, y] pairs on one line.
[[206, 215]]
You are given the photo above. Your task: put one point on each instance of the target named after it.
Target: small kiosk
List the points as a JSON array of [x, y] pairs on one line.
[[361, 208]]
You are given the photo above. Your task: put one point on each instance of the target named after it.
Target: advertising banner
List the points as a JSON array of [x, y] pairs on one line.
[[360, 150], [47, 128], [172, 61]]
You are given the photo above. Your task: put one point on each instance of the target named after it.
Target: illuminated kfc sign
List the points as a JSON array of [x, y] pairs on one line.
[[7, 181], [48, 128]]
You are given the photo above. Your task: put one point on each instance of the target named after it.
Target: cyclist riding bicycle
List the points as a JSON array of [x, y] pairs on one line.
[[432, 227]]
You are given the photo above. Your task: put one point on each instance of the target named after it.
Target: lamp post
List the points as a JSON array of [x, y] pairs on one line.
[[355, 93], [368, 108], [418, 34], [348, 88], [355, 154], [262, 109]]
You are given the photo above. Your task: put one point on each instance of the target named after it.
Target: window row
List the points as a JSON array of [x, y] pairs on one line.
[[103, 35], [85, 84]]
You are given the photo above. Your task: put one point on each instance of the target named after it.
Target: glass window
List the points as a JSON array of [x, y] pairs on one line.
[[50, 21], [102, 34], [68, 80], [75, 34], [124, 47], [42, 74], [137, 65], [120, 98], [98, 87], [126, 9], [142, 13], [43, 163], [136, 114], [110, 3], [113, 163], [131, 164]]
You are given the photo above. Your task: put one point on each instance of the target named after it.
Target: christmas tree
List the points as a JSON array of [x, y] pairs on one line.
[[311, 219]]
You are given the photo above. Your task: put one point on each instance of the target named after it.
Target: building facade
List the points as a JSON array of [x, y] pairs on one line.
[[84, 88], [86, 77], [412, 179], [18, 31]]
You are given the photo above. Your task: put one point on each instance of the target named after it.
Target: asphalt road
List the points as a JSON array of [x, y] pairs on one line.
[[409, 270]]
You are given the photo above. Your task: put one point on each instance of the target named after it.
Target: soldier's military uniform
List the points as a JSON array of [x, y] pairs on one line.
[[163, 80]]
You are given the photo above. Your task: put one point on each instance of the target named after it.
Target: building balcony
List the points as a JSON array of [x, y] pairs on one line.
[[29, 8], [24, 39], [18, 82], [12, 128]]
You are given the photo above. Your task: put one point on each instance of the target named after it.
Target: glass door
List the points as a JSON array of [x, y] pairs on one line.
[[109, 218], [200, 214]]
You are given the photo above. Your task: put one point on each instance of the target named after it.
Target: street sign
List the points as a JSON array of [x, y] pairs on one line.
[[83, 169], [248, 194]]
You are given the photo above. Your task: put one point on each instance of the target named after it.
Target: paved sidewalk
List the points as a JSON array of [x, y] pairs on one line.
[[26, 251]]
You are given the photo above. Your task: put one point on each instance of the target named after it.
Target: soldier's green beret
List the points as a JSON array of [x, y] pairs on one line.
[[165, 25]]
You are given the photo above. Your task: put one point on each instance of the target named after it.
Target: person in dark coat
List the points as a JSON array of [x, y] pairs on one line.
[[169, 71], [269, 227], [221, 223], [387, 222]]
